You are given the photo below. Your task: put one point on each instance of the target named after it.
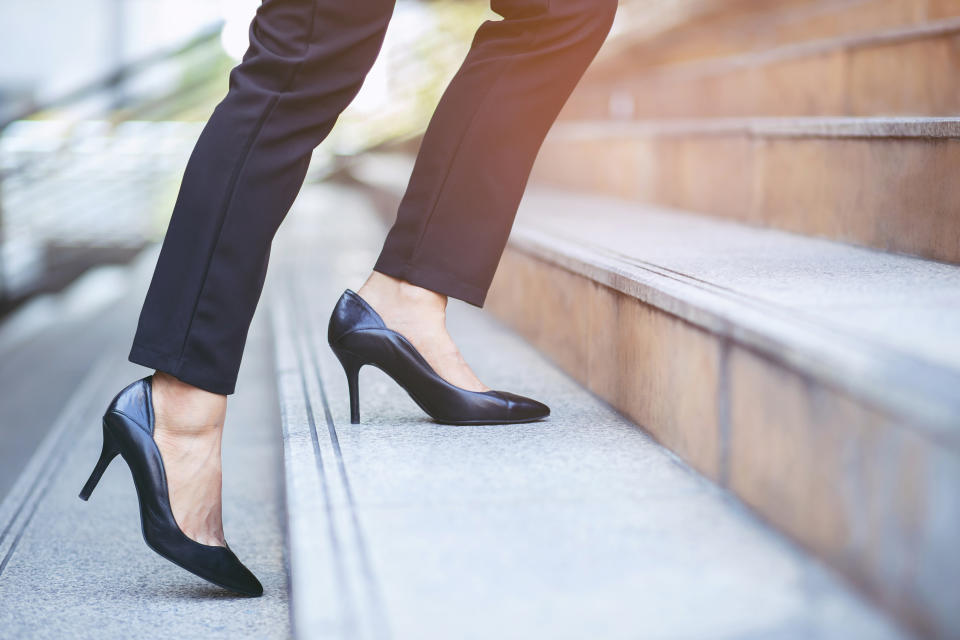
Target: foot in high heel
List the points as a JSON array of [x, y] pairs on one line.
[[358, 336], [128, 428]]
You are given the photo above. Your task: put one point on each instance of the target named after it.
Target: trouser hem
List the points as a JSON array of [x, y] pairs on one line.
[[172, 364], [438, 281]]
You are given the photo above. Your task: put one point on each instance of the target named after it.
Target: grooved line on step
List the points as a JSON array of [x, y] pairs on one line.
[[300, 343], [373, 594]]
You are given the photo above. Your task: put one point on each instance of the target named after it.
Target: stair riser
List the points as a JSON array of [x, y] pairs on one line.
[[885, 77], [895, 194], [846, 480], [760, 26]]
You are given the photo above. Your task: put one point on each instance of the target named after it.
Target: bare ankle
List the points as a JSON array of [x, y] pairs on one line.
[[185, 410], [396, 294]]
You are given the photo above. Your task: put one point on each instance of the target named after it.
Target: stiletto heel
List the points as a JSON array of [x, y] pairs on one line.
[[358, 336], [351, 366], [107, 454], [128, 428]]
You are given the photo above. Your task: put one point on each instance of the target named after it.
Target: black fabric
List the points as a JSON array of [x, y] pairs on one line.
[[305, 63]]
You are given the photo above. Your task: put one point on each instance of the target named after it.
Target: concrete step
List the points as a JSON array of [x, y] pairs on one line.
[[710, 30], [818, 382], [886, 183], [73, 569], [908, 70], [579, 526]]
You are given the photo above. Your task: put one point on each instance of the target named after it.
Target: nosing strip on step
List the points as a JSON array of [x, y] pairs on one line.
[[302, 342], [337, 548], [376, 605], [289, 362]]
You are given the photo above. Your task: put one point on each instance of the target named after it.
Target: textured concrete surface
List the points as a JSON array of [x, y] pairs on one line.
[[576, 526], [70, 569]]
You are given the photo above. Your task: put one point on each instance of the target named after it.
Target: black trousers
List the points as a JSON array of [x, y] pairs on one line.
[[305, 63]]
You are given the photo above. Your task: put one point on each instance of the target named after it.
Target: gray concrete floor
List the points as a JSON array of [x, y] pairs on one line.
[[578, 526], [70, 569]]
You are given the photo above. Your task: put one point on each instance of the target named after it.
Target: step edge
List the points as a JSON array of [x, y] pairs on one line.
[[808, 347], [839, 127]]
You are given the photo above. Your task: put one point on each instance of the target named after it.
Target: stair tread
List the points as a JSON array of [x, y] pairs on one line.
[[577, 526]]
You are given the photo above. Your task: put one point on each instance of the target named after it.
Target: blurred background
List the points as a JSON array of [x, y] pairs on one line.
[[100, 105]]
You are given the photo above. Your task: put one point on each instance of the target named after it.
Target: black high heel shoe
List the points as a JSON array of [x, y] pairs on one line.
[[128, 431], [358, 336]]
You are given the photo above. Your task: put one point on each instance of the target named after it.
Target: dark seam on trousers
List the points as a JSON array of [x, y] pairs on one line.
[[473, 117], [241, 163]]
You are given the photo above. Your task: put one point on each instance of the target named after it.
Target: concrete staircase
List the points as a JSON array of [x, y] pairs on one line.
[[699, 248], [818, 381]]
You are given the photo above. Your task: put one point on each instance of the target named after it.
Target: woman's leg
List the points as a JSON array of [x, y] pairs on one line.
[[305, 63], [472, 167]]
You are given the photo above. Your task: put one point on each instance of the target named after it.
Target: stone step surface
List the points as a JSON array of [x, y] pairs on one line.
[[908, 70], [885, 183], [70, 569], [576, 526], [709, 30], [818, 382]]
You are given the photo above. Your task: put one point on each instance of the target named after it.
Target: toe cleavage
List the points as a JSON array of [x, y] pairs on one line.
[[128, 431], [358, 336]]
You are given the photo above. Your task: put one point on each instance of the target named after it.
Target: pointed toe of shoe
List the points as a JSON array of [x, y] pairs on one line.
[[250, 586], [236, 577], [524, 409], [246, 583]]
